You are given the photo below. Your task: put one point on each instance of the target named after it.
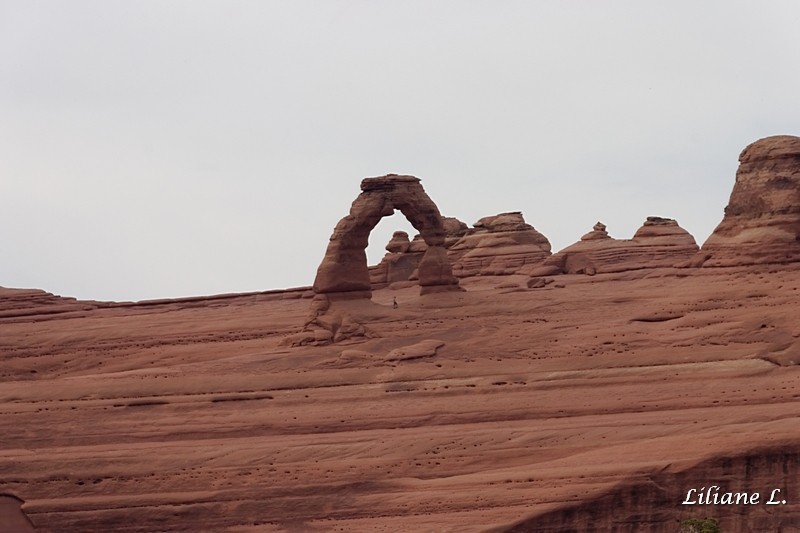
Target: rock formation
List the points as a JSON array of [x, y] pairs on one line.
[[29, 302], [12, 517], [660, 242], [599, 406], [498, 245], [495, 245], [654, 503], [401, 261], [344, 273], [593, 407], [762, 220], [454, 229]]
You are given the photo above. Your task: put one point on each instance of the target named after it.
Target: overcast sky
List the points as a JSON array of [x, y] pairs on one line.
[[171, 148]]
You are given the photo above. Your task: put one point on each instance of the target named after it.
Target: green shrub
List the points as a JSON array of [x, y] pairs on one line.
[[697, 525]]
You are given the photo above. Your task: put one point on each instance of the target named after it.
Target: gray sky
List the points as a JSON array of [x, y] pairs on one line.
[[183, 147]]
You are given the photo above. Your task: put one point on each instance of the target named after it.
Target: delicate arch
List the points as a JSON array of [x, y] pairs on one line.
[[12, 518], [344, 268]]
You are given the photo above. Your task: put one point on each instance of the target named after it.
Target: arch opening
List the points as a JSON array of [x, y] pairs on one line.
[[382, 233], [344, 272]]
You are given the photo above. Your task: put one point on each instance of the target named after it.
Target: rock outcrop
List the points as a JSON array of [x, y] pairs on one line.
[[344, 273], [401, 261], [495, 245], [12, 517], [762, 220], [454, 229], [21, 303], [654, 502], [498, 245], [660, 242], [595, 407]]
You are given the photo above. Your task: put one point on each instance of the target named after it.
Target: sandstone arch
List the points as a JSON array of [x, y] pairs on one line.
[[344, 271], [12, 518]]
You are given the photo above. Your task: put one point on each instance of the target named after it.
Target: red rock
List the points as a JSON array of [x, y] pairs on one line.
[[21, 303], [598, 233], [12, 517], [762, 220], [344, 268], [660, 242], [397, 264], [399, 243], [496, 245], [454, 229], [594, 407], [546, 410]]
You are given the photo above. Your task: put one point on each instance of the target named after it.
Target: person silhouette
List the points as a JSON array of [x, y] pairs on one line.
[[394, 302]]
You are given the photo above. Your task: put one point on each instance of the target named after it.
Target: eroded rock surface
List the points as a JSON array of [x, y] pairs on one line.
[[540, 408], [343, 272], [508, 407], [537, 407], [659, 242], [498, 245], [401, 263], [762, 220], [12, 517], [495, 246], [654, 501], [20, 303]]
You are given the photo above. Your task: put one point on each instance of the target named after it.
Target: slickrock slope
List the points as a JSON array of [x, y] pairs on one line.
[[762, 219], [598, 403], [660, 242], [589, 407]]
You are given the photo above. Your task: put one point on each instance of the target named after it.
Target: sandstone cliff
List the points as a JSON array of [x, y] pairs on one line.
[[762, 219]]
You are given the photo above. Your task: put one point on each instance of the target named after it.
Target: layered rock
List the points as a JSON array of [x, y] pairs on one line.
[[660, 242], [454, 229], [343, 271], [495, 245], [12, 517], [400, 263], [762, 220], [654, 502], [17, 303], [498, 245], [594, 407]]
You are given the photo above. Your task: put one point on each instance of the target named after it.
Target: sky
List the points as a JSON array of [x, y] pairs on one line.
[[167, 148]]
